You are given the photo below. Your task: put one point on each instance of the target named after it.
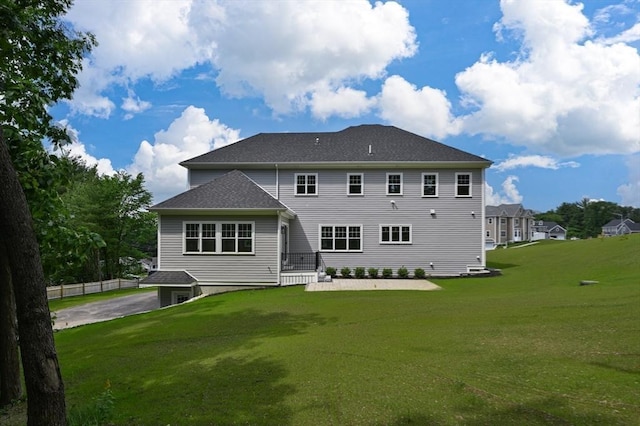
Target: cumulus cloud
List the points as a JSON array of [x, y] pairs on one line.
[[426, 111], [630, 192], [133, 105], [508, 195], [344, 102], [189, 135], [543, 162], [77, 149], [283, 52], [564, 93]]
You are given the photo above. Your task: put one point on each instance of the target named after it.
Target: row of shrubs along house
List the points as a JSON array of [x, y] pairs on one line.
[[278, 208]]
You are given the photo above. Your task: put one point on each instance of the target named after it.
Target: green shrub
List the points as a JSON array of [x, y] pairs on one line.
[[403, 272], [331, 271], [359, 272], [373, 272], [387, 272], [98, 412], [345, 272], [419, 273]]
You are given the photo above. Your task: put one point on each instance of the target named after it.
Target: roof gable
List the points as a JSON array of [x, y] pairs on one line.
[[231, 191], [361, 144]]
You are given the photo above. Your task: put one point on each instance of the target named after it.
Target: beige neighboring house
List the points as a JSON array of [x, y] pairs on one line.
[[507, 223]]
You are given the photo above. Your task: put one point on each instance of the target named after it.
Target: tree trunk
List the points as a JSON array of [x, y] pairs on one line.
[[44, 386], [10, 384]]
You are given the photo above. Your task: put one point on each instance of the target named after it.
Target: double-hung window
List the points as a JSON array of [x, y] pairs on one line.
[[341, 238], [218, 237], [355, 184], [394, 183], [395, 234], [463, 184], [306, 184], [429, 184]]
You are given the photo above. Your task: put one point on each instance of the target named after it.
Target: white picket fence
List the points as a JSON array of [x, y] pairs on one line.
[[69, 290]]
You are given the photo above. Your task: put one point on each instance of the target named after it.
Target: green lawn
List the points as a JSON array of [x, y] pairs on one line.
[[529, 347]]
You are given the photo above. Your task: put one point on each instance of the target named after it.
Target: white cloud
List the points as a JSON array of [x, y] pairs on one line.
[[283, 52], [189, 135], [508, 195], [543, 162], [630, 192], [343, 102], [77, 149], [564, 93], [426, 111], [133, 105]]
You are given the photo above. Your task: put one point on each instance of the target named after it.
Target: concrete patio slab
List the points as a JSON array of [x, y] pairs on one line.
[[372, 284]]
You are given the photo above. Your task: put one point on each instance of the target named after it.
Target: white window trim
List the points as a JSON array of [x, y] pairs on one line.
[[470, 184], [361, 194], [400, 230], [422, 185], [322, 225], [401, 183], [218, 238], [295, 185]]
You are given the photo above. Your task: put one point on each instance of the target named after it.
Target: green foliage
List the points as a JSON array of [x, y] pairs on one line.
[[528, 347], [359, 272], [345, 272], [585, 218], [114, 207], [387, 272], [99, 412], [403, 272], [373, 272], [331, 271], [419, 273]]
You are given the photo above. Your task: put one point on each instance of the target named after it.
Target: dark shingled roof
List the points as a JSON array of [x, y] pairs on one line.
[[388, 144], [233, 190], [169, 277]]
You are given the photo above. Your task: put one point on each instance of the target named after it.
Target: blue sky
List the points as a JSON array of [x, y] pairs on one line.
[[548, 90]]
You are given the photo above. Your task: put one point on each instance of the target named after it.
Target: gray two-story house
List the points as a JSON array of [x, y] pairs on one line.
[[277, 208]]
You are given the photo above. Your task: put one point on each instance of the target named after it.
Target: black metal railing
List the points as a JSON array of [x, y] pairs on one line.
[[306, 261]]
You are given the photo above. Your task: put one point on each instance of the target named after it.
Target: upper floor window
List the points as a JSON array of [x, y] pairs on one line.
[[394, 183], [503, 220], [429, 184], [306, 184], [355, 184], [341, 238], [463, 184], [218, 237], [490, 220], [517, 221], [395, 234]]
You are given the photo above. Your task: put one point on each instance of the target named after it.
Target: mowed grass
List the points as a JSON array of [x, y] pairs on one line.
[[529, 347]]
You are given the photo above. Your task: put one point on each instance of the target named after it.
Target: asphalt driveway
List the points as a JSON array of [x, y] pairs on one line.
[[106, 310]]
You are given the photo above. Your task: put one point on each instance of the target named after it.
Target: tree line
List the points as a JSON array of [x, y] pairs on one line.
[[98, 227], [585, 218]]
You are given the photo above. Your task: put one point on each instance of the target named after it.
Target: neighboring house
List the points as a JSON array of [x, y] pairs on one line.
[[508, 223], [150, 264], [277, 208], [620, 227], [545, 230]]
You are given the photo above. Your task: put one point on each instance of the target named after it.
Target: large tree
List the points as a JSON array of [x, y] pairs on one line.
[[39, 58]]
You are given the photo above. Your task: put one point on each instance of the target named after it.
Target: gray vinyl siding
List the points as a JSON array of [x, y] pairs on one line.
[[266, 178], [451, 240], [261, 267]]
